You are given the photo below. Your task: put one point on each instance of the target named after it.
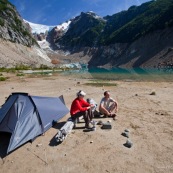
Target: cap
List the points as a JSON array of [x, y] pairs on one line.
[[81, 93]]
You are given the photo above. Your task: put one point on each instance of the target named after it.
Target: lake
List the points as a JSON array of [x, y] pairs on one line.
[[134, 74]]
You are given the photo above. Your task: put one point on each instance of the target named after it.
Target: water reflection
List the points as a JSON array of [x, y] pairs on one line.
[[137, 74], [134, 74]]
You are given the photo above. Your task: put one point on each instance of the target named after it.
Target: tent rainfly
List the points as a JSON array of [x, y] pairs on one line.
[[26, 116]]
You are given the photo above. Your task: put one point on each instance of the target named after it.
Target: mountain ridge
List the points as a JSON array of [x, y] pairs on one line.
[[117, 33], [112, 40]]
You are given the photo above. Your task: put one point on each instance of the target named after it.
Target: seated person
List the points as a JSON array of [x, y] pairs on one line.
[[80, 107], [108, 106]]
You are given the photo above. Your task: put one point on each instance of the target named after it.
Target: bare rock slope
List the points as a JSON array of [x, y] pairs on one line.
[[12, 54]]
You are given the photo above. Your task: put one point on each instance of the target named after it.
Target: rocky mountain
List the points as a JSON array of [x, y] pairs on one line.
[[119, 40], [83, 31], [17, 44], [142, 36], [56, 33], [12, 26]]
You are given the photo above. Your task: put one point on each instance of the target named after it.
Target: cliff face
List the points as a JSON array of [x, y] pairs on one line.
[[148, 51], [12, 27], [17, 45], [83, 31]]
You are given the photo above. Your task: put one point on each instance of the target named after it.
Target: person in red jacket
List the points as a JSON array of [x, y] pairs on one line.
[[80, 107]]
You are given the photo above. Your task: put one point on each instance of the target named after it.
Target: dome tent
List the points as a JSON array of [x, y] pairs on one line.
[[26, 117]]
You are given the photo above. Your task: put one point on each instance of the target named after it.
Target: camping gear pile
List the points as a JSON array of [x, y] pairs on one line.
[[64, 131]]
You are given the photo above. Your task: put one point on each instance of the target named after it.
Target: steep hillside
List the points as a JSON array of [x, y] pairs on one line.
[[151, 50], [119, 40], [90, 30], [12, 27], [12, 54], [83, 32], [17, 45], [138, 21]]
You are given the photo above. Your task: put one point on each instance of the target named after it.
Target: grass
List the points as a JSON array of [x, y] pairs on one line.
[[20, 74], [20, 67], [3, 78], [100, 84]]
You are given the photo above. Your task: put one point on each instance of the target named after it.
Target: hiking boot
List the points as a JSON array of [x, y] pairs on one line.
[[105, 116], [88, 126], [113, 115]]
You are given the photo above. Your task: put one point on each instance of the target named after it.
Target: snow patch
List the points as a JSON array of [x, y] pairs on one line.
[[42, 54], [38, 28], [64, 26], [44, 44]]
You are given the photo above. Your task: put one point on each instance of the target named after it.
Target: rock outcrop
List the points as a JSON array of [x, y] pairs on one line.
[[17, 44], [152, 50]]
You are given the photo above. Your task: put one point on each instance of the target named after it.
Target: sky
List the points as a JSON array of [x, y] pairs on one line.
[[55, 12]]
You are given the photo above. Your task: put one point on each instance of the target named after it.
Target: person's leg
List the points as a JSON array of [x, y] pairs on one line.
[[90, 114], [86, 118], [112, 107], [76, 116], [104, 111]]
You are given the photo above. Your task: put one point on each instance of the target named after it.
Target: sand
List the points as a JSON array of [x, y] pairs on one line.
[[148, 117]]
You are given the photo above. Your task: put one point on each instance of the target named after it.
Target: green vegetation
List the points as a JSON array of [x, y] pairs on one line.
[[8, 70], [14, 22], [20, 74], [15, 69], [3, 4], [1, 21], [123, 27], [136, 22], [21, 67], [100, 84], [3, 78], [84, 31]]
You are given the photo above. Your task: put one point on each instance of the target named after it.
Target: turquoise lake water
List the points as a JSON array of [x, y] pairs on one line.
[[135, 74]]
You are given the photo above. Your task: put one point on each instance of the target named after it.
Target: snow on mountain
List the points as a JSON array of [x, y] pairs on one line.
[[64, 26], [44, 44], [38, 28], [94, 15]]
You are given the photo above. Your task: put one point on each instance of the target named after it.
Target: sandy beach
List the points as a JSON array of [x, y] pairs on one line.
[[148, 117]]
